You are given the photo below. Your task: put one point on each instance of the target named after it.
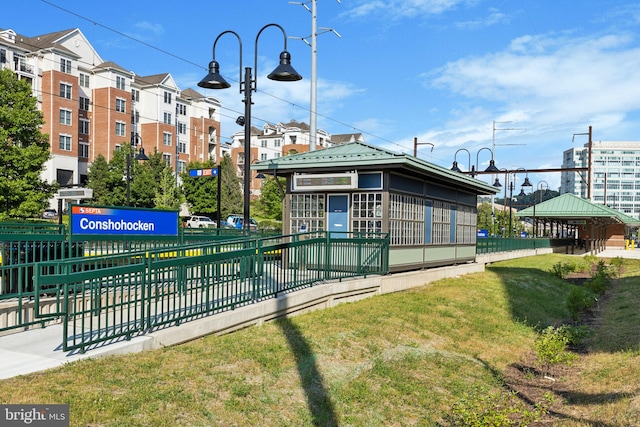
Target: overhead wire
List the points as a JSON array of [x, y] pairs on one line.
[[180, 58]]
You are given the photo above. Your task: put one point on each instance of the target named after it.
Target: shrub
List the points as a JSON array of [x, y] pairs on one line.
[[551, 346], [563, 269], [580, 299]]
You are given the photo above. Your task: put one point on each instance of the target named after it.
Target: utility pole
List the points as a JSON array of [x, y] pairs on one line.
[[313, 119]]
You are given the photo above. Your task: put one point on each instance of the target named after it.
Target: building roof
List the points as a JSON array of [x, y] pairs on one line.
[[568, 206], [358, 155]]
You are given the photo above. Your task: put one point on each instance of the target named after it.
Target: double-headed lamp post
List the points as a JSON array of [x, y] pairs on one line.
[[284, 72], [139, 156]]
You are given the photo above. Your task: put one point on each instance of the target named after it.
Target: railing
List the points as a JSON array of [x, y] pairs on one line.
[[104, 298], [497, 244]]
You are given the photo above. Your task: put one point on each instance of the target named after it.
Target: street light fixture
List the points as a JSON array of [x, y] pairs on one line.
[[139, 156], [284, 72], [491, 168]]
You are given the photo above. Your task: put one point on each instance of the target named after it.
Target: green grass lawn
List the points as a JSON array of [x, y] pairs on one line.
[[399, 359]]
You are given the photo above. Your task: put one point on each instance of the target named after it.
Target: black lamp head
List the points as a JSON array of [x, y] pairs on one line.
[[492, 167], [240, 121], [526, 182], [455, 167], [496, 183], [285, 72], [141, 155], [214, 79]]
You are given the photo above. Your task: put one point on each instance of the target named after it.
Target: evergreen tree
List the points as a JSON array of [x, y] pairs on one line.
[[23, 150]]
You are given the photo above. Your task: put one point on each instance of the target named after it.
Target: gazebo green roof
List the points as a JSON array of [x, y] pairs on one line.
[[569, 206], [358, 156]]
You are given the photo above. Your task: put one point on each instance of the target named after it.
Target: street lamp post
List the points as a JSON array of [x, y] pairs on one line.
[[539, 191], [214, 80], [139, 156]]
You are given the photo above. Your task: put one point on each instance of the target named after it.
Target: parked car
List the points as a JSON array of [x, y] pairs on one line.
[[236, 221], [200, 222], [50, 214]]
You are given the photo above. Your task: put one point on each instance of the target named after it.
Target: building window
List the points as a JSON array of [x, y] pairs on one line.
[[182, 147], [65, 90], [65, 65], [84, 103], [277, 142], [84, 80], [65, 142], [167, 158], [167, 97], [64, 176], [466, 230], [121, 128], [83, 128], [182, 128], [307, 209], [181, 109], [3, 56], [84, 150], [121, 105], [121, 83], [441, 223], [166, 138], [367, 212], [135, 95], [65, 117], [263, 143], [263, 156], [166, 118], [407, 220]]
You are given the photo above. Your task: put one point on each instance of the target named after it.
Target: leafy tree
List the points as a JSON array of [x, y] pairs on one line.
[[109, 179], [201, 193], [23, 150], [168, 195], [270, 202]]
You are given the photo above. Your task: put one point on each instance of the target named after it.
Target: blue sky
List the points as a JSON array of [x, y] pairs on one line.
[[442, 71]]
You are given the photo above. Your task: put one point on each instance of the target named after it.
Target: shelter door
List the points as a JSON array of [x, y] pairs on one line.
[[338, 215]]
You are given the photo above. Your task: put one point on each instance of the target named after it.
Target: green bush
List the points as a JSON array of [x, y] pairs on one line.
[[551, 346], [580, 299], [563, 269]]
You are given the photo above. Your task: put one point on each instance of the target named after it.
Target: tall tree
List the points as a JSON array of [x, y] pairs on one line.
[[168, 196], [270, 201], [23, 150], [201, 193]]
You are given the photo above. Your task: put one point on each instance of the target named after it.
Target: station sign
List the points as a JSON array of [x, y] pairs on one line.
[[327, 181], [103, 220], [203, 172], [75, 193]]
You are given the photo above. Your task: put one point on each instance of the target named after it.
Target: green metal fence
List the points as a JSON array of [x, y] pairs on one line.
[[496, 244], [109, 297]]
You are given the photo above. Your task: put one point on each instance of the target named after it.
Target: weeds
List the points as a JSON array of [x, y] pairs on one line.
[[481, 407]]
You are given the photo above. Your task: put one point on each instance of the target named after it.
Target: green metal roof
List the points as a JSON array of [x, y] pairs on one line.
[[569, 206], [357, 155]]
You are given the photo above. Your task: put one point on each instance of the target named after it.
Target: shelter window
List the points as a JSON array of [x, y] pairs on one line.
[[307, 209], [367, 212], [406, 220], [466, 225], [441, 222]]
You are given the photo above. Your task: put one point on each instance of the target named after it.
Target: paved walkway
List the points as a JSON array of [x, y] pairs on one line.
[[40, 349]]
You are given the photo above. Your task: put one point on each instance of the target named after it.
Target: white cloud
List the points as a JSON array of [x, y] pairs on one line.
[[395, 9], [552, 79]]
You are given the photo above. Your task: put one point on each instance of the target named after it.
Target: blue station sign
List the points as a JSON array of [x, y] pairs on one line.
[[100, 220], [203, 172]]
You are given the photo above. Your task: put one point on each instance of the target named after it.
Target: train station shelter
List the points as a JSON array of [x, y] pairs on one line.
[[596, 226], [428, 211]]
